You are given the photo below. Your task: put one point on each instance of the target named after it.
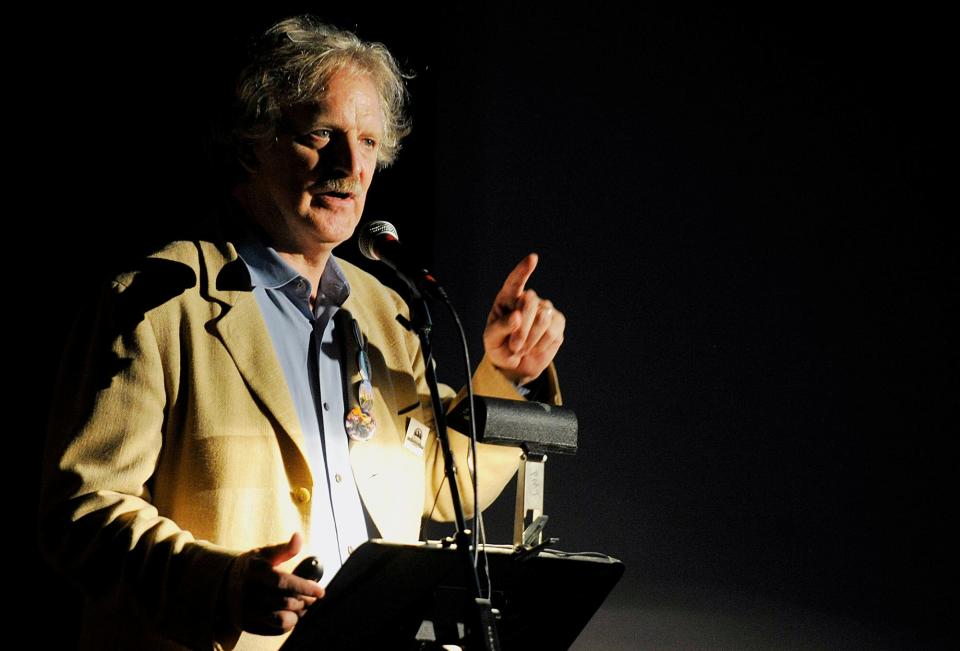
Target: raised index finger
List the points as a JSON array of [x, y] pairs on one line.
[[516, 282]]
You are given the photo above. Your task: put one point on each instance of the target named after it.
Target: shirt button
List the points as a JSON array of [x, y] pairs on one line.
[[338, 477], [326, 406], [349, 549], [301, 495]]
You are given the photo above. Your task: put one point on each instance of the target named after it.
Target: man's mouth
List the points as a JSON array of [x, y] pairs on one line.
[[332, 198]]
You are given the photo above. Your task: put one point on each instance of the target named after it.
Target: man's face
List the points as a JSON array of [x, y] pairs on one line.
[[310, 184]]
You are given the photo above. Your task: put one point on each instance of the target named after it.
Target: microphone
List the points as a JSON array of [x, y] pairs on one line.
[[379, 241]]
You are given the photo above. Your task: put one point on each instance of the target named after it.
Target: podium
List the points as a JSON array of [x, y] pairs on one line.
[[405, 597]]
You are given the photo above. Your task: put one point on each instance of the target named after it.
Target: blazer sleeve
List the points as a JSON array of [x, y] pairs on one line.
[[97, 523], [496, 464]]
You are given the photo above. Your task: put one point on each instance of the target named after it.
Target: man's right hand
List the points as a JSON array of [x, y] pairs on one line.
[[274, 601]]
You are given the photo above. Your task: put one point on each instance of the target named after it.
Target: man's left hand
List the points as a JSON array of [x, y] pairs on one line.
[[523, 331]]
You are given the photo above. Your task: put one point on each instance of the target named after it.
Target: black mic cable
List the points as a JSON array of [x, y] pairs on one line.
[[379, 241]]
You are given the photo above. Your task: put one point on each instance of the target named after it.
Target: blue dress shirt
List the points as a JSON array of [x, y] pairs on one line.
[[308, 345]]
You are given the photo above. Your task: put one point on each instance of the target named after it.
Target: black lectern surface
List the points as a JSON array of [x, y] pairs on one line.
[[385, 592]]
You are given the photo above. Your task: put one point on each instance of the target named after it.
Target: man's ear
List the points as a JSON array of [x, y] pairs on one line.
[[247, 158]]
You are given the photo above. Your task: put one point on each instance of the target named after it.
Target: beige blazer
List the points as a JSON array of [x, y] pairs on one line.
[[174, 446]]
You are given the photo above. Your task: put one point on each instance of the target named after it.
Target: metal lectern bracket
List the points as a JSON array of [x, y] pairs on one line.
[[529, 501]]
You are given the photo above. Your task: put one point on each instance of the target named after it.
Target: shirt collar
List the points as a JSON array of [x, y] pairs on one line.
[[270, 271]]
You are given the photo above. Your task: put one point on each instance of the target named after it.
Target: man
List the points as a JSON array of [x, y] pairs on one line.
[[244, 398]]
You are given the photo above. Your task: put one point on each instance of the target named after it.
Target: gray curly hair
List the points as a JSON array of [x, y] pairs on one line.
[[293, 61]]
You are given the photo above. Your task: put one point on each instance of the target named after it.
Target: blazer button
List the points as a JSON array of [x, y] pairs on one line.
[[301, 495]]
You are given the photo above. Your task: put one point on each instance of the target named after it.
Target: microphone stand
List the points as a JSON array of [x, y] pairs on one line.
[[482, 627]]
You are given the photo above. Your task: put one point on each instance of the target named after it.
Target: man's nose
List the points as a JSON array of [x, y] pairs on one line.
[[345, 154]]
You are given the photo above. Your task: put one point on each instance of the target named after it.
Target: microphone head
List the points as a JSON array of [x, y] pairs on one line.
[[369, 235]]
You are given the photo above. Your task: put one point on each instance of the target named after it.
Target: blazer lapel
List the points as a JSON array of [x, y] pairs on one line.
[[244, 334], [381, 465]]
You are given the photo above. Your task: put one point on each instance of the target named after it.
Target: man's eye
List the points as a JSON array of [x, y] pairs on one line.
[[370, 142], [323, 134]]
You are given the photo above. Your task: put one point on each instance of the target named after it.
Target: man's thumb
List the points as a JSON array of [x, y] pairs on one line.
[[276, 554]]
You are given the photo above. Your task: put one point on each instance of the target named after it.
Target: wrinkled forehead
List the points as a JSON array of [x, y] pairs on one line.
[[347, 92]]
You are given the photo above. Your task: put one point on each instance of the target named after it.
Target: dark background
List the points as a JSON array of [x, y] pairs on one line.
[[734, 210]]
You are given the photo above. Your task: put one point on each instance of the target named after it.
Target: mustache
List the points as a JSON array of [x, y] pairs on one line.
[[341, 185]]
